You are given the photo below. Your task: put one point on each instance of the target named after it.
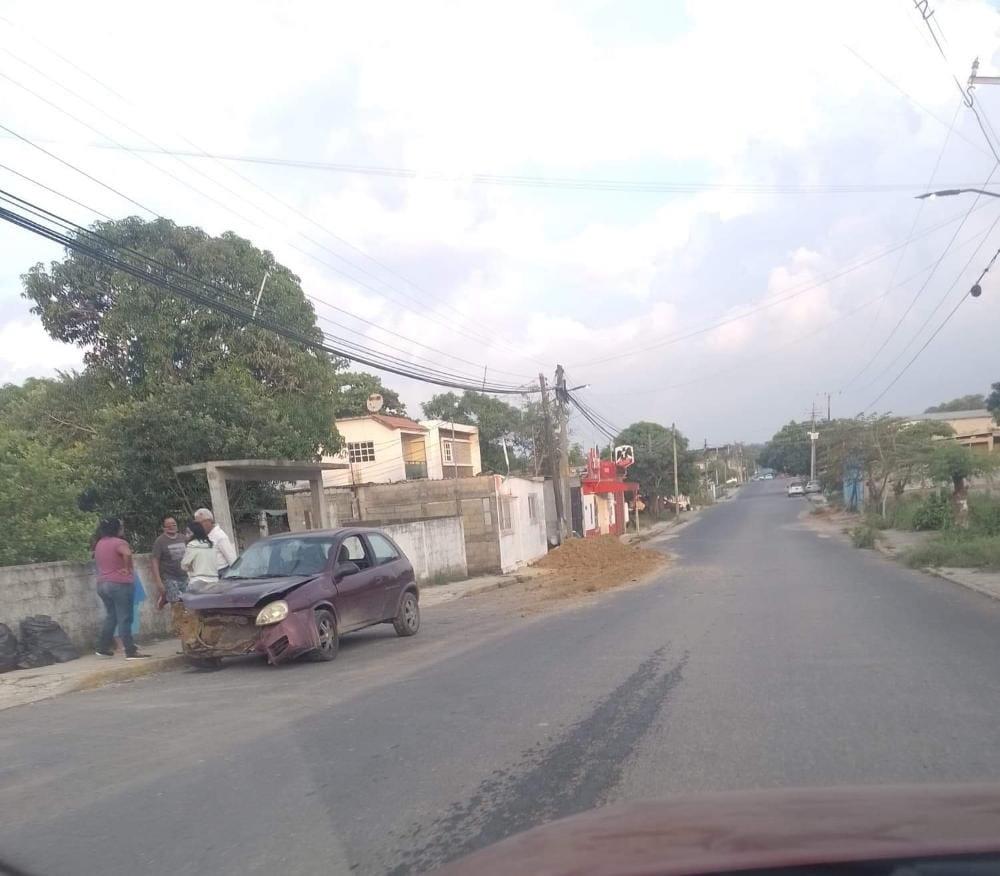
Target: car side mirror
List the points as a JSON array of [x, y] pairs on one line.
[[342, 570]]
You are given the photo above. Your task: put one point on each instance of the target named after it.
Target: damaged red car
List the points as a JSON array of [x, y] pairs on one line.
[[295, 594]]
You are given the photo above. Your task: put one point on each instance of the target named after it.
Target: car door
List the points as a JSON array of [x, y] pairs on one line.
[[359, 597], [393, 571]]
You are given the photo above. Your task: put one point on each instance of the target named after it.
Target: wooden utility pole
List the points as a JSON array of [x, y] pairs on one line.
[[677, 495], [562, 411], [553, 460]]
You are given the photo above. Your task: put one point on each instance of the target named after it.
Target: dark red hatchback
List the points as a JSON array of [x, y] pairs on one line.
[[297, 593]]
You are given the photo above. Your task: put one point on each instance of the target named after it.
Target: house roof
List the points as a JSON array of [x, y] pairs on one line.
[[390, 422], [955, 415], [448, 425]]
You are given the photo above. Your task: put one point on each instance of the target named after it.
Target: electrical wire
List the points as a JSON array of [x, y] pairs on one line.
[[787, 295], [920, 209], [934, 334], [145, 274], [450, 317]]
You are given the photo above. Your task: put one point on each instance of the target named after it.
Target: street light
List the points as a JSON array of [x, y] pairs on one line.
[[944, 193]]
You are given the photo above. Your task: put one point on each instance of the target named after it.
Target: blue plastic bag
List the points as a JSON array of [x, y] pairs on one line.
[[140, 596]]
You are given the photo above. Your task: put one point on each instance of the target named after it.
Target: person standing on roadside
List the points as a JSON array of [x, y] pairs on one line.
[[199, 560], [116, 588], [170, 578], [225, 550]]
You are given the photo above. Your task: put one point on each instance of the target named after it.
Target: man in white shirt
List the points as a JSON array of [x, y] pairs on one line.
[[225, 550]]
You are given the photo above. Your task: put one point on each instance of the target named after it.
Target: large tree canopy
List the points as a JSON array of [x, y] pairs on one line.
[[973, 402], [654, 459], [788, 451], [167, 382], [356, 386], [495, 419], [141, 336]]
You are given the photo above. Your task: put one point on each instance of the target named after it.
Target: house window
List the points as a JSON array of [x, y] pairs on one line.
[[505, 522], [361, 451], [533, 509], [449, 453], [487, 516]]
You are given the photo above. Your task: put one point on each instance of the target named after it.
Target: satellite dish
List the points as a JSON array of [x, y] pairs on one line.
[[374, 403]]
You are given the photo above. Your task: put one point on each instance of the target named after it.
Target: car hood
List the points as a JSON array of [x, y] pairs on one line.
[[722, 833], [246, 593]]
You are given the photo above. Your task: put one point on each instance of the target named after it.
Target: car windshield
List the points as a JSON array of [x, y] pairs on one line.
[[278, 557]]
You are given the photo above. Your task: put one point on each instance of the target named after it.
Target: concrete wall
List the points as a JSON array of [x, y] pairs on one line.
[[67, 592], [525, 541], [436, 548], [474, 499]]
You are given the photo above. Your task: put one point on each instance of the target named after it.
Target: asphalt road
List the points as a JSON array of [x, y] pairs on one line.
[[767, 656]]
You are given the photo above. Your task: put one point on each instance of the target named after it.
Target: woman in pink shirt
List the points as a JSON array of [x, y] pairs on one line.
[[116, 587]]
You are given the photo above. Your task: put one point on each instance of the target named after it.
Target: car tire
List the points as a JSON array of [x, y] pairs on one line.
[[329, 638], [206, 664], [407, 619]]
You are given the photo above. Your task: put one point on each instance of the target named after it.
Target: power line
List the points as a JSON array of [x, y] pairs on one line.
[[902, 255], [424, 309], [937, 306], [145, 274], [173, 176], [580, 184], [934, 334], [924, 285], [793, 292]]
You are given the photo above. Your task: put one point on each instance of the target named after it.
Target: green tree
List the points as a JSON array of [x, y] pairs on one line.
[[788, 451], [993, 401], [654, 460], [139, 336], [496, 420], [168, 381], [973, 402], [890, 451], [39, 488], [354, 387], [954, 464]]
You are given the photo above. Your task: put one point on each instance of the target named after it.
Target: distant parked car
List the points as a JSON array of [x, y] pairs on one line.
[[812, 487], [296, 593], [769, 476], [795, 488]]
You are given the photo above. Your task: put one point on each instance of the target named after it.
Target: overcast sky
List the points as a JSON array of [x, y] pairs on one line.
[[730, 100]]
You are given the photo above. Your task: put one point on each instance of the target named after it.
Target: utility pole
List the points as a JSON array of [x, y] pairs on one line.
[[554, 467], [828, 407], [677, 494], [813, 436], [562, 410]]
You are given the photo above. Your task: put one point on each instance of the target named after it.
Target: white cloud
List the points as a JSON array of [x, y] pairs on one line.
[[27, 351]]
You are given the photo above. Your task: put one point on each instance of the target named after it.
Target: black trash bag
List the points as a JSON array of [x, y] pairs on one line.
[[42, 637], [8, 649]]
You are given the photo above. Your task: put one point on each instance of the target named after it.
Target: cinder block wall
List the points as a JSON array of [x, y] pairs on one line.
[[67, 592], [474, 497]]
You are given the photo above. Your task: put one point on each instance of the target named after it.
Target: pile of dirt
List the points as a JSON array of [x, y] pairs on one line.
[[586, 565]]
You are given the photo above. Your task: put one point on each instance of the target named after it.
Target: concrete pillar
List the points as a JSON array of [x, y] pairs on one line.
[[220, 501], [320, 508]]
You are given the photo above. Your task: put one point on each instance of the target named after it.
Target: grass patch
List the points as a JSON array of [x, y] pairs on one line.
[[876, 521], [863, 536], [969, 550]]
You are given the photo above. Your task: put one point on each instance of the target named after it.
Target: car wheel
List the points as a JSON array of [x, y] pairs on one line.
[[407, 619], [205, 663], [329, 639]]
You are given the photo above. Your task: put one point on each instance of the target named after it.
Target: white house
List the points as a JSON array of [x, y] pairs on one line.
[[380, 448]]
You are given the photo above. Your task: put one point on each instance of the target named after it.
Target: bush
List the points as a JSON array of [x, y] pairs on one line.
[[984, 514], [934, 513], [957, 549], [863, 536], [876, 521]]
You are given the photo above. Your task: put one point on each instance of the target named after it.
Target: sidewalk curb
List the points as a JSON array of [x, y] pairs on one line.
[[944, 576], [113, 674]]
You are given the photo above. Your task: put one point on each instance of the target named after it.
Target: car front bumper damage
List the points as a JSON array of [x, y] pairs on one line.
[[233, 635]]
